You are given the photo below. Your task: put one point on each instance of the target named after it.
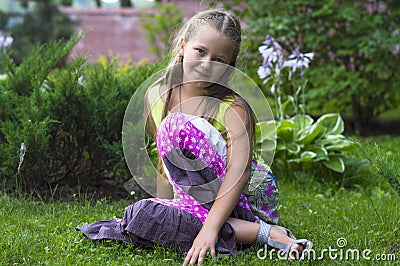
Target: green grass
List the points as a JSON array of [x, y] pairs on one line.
[[367, 215]]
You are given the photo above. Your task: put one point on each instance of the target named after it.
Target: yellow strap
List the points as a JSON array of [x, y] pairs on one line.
[[219, 121], [157, 107], [156, 104]]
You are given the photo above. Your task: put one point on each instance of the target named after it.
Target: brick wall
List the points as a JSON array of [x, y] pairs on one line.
[[118, 31]]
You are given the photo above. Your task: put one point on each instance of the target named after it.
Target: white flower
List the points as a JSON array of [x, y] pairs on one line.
[[269, 54], [272, 90], [81, 81], [5, 41], [298, 60], [263, 72]]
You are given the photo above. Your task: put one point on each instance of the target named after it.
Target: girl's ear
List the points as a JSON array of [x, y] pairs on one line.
[[182, 46]]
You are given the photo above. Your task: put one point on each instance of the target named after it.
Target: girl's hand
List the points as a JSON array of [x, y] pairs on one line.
[[205, 241]]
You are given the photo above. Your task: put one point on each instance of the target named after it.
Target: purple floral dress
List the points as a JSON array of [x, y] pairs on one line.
[[193, 153]]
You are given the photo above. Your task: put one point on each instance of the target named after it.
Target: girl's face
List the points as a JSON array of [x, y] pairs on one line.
[[206, 56]]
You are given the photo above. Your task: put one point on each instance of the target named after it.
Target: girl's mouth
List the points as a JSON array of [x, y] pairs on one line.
[[201, 75]]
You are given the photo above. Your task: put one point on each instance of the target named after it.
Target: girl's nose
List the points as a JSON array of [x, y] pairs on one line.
[[206, 64]]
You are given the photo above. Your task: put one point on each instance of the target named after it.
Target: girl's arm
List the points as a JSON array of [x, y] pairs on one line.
[[164, 188], [238, 167], [237, 174]]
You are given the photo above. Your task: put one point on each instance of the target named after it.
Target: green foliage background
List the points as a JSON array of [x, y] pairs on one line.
[[356, 45], [160, 27], [39, 23]]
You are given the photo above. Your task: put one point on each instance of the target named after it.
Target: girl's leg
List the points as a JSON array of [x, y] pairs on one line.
[[246, 233]]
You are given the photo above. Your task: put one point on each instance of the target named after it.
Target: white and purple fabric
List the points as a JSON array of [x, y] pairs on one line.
[[194, 154]]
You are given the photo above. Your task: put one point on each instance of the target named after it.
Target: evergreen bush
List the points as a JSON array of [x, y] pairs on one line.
[[69, 119]]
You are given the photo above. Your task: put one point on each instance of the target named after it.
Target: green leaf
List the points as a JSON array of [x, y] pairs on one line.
[[285, 133], [342, 145], [321, 154], [293, 148], [307, 156], [280, 145], [290, 100], [335, 163], [307, 135], [286, 123], [265, 130], [330, 140], [302, 121], [333, 123]]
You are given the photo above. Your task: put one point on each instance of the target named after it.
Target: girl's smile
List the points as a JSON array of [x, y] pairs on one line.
[[201, 75], [206, 56]]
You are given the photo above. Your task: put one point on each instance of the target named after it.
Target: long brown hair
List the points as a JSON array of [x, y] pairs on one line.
[[228, 25]]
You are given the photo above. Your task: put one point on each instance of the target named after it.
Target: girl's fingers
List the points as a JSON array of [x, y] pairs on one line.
[[194, 257], [202, 255], [213, 255], [188, 257]]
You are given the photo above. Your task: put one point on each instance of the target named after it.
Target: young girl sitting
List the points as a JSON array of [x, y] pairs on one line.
[[225, 195]]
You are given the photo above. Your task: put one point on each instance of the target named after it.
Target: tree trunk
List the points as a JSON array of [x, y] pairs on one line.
[[98, 3], [363, 116], [126, 3]]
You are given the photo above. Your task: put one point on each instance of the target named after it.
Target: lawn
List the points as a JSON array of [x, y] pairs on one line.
[[342, 221]]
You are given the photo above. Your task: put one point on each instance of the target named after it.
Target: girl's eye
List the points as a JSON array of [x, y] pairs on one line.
[[200, 51], [219, 60]]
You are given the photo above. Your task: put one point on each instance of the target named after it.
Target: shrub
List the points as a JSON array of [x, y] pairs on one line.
[[69, 119]]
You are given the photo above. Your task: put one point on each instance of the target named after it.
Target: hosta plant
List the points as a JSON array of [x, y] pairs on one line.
[[300, 139], [297, 138]]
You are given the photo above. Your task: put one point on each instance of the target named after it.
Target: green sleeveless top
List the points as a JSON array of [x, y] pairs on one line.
[[157, 107]]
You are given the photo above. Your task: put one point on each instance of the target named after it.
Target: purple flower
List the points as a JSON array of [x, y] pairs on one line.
[[268, 53], [272, 89], [271, 50], [268, 40], [272, 61], [298, 60]]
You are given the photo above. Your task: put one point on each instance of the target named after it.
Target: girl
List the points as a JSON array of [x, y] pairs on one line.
[[224, 194]]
